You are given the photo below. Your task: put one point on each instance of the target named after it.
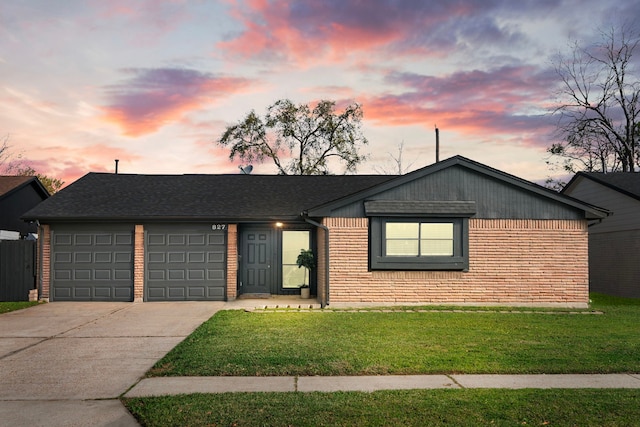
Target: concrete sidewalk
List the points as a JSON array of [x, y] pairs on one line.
[[184, 385]]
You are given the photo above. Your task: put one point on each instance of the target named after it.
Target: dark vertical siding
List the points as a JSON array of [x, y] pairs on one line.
[[626, 210], [613, 263], [494, 198]]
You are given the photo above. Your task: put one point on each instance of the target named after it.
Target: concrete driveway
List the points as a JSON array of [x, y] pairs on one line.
[[65, 364]]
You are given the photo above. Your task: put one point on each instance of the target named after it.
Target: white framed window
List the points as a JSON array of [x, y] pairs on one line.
[[293, 241]]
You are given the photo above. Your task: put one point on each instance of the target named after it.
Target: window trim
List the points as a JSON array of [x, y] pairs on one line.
[[379, 261]]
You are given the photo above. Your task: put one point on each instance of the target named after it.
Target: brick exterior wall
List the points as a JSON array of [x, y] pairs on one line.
[[138, 263], [44, 269], [232, 262], [511, 262]]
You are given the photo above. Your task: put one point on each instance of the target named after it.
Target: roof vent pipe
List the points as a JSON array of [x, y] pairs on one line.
[[437, 144], [117, 166]]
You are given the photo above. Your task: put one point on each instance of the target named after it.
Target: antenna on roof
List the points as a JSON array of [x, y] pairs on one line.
[[117, 166], [246, 170]]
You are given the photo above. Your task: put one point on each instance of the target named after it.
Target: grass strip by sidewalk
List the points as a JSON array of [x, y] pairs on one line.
[[377, 343], [6, 307], [407, 408]]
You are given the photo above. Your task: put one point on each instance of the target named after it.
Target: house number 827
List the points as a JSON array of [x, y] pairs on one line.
[[219, 227]]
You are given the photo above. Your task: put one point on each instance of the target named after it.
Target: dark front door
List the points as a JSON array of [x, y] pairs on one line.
[[256, 257]]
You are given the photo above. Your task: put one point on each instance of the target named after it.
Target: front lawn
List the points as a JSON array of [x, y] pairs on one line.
[[398, 408], [412, 342], [6, 307]]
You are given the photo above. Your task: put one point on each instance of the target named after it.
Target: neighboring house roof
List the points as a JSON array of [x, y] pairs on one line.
[[11, 184], [192, 197], [627, 183]]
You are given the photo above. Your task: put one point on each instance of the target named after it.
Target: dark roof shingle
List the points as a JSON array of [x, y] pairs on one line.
[[626, 182], [249, 197]]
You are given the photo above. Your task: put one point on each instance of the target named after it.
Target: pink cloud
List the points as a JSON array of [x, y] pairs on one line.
[[337, 30], [69, 164], [153, 98], [502, 102]]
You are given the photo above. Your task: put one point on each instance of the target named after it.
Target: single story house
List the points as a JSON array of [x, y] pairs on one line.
[[614, 243], [454, 232], [18, 194]]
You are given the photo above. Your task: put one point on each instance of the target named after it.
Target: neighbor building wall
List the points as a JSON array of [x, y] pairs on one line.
[[511, 262], [613, 265]]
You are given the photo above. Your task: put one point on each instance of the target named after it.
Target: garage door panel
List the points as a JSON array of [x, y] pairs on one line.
[[80, 257], [81, 274], [197, 292], [196, 239], [80, 292], [176, 274], [92, 262], [177, 239], [177, 257], [215, 292], [196, 257], [104, 239], [122, 275], [62, 239], [196, 275], [156, 293], [216, 239], [179, 260], [83, 239], [155, 239], [177, 292]]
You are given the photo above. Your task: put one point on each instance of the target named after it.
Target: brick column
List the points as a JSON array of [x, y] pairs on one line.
[[44, 264], [138, 263], [232, 262]]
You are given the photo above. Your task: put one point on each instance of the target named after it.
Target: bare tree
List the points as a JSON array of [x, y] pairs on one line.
[[598, 109], [13, 164], [298, 139], [397, 166], [10, 162]]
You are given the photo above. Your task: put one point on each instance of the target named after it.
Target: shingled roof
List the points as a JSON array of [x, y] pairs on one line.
[[192, 197], [624, 182], [8, 184]]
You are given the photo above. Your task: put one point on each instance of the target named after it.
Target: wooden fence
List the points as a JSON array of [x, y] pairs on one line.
[[17, 269]]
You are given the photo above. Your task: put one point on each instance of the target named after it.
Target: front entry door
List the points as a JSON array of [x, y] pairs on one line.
[[256, 267]]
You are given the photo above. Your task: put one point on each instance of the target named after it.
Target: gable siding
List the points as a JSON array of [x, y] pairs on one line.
[[626, 210], [494, 198]]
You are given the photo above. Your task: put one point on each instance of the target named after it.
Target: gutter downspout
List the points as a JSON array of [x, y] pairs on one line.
[[40, 249], [326, 256]]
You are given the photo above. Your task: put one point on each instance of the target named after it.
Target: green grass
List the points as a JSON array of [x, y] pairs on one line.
[[403, 408], [441, 342], [6, 307]]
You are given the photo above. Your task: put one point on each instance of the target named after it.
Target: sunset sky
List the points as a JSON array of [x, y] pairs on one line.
[[154, 83]]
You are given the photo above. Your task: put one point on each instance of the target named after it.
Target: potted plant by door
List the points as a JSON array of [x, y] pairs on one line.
[[306, 260]]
